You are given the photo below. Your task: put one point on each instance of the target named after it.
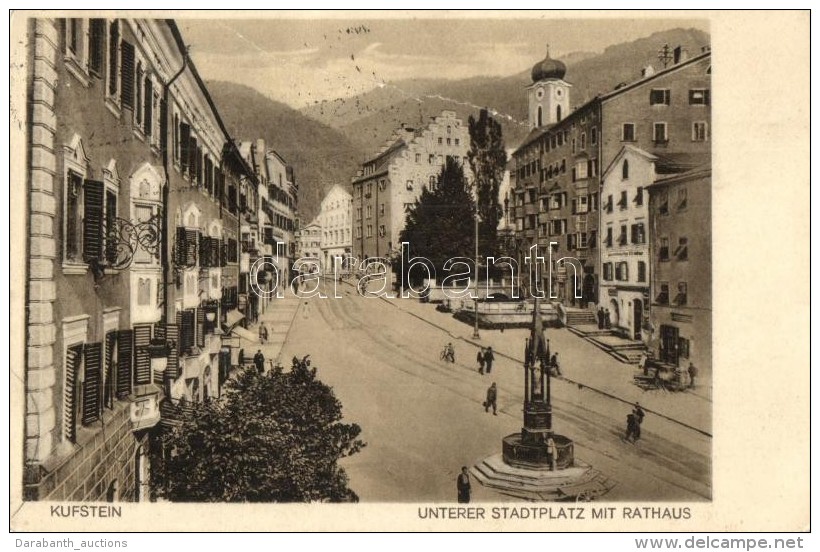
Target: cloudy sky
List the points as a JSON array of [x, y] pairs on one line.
[[298, 60]]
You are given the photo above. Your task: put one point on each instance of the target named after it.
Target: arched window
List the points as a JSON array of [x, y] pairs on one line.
[[540, 113], [625, 170], [557, 113]]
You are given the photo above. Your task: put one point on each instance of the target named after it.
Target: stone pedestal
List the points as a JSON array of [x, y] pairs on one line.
[[578, 482]]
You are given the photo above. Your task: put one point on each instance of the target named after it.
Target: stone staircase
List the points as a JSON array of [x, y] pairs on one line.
[[625, 350], [580, 318]]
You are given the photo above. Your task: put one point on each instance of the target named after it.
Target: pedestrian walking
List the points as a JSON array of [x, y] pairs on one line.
[[259, 361], [693, 373], [631, 428], [554, 365], [463, 486], [639, 414], [263, 333], [600, 318], [480, 359], [489, 357], [607, 319], [492, 396]]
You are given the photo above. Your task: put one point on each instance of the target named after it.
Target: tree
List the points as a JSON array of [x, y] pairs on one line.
[[271, 438], [488, 160], [439, 226]]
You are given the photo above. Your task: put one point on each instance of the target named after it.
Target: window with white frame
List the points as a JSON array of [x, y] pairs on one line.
[[700, 131], [659, 135], [699, 96], [76, 34], [113, 63], [628, 132], [659, 96], [75, 167], [111, 181]]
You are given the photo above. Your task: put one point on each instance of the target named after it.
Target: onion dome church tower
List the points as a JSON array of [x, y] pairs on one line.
[[548, 95]]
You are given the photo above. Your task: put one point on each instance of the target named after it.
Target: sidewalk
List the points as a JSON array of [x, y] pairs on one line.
[[278, 318], [581, 363]]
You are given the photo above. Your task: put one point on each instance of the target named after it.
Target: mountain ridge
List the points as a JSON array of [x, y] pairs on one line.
[[321, 156]]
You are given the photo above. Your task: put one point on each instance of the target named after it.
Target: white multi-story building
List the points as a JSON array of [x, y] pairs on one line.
[[335, 219], [625, 263]]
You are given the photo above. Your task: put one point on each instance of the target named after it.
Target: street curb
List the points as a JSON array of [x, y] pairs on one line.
[[287, 334], [562, 378]]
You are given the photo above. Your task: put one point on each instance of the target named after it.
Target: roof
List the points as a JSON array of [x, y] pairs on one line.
[[533, 135], [702, 170], [383, 159], [230, 144], [627, 149], [662, 72], [674, 163], [665, 163]]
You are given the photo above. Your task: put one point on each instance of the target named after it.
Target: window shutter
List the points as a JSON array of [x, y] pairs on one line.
[[185, 145], [108, 393], [192, 149], [163, 125], [72, 366], [205, 257], [125, 349], [96, 44], [214, 251], [223, 250], [181, 247], [148, 98], [172, 337], [142, 364], [92, 384], [200, 328], [191, 244], [160, 334], [113, 57], [199, 166], [187, 338], [93, 220], [127, 74]]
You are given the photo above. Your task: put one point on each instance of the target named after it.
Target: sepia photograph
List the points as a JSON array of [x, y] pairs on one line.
[[458, 263]]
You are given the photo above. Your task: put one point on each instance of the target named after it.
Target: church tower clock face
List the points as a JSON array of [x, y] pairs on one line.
[[539, 93], [559, 93]]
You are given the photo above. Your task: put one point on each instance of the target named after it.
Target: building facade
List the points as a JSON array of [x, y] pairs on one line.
[[275, 215], [131, 245], [556, 170], [625, 262], [309, 240], [680, 214], [388, 184], [336, 221]]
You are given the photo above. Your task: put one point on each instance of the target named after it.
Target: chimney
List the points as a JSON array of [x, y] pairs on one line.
[[647, 71], [260, 146], [680, 54]]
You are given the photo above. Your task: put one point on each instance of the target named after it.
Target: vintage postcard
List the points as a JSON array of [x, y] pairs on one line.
[[414, 270]]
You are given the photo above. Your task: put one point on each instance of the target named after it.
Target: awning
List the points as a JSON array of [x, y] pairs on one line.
[[232, 318], [245, 334]]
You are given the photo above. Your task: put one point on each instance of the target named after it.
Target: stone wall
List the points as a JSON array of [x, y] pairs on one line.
[[86, 472]]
